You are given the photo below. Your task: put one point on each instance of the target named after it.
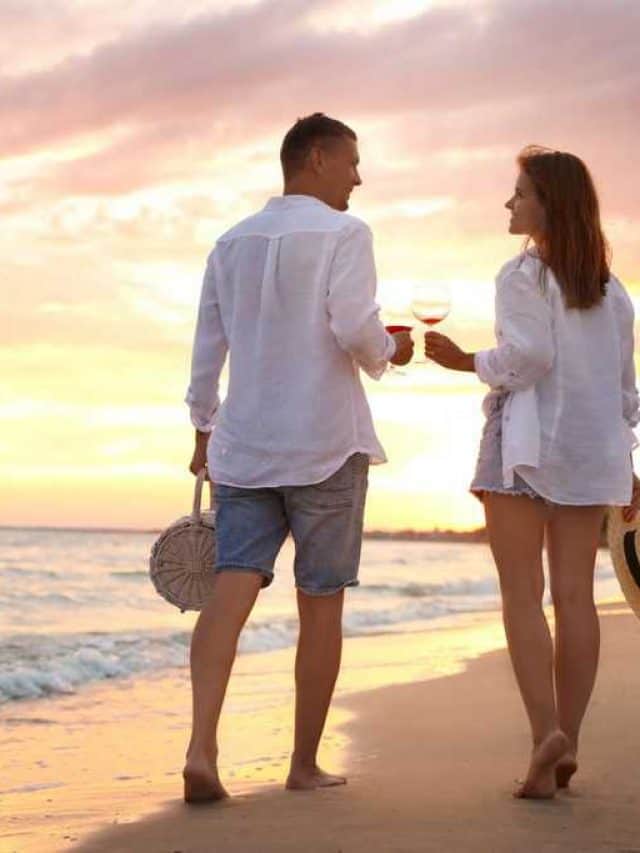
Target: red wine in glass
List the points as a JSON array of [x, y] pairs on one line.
[[392, 331], [430, 304], [433, 318]]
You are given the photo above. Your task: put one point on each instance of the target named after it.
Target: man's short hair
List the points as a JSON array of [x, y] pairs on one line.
[[305, 133]]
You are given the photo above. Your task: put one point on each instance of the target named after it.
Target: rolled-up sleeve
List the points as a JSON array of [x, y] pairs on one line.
[[525, 348], [209, 352], [353, 312]]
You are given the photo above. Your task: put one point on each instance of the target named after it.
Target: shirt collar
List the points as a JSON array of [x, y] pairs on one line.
[[283, 202]]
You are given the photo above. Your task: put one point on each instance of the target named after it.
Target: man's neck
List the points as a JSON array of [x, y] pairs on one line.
[[300, 188]]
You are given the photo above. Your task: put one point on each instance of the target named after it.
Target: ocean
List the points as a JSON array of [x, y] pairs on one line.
[[77, 607]]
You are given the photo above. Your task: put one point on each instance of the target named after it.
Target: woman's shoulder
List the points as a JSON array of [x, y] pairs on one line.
[[525, 265], [615, 286], [525, 272], [616, 291]]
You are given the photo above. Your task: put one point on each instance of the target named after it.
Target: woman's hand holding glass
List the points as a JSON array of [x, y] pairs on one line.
[[445, 352]]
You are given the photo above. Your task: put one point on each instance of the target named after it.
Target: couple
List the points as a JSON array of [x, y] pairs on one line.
[[289, 293]]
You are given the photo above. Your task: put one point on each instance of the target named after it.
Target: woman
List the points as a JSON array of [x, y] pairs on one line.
[[556, 447]]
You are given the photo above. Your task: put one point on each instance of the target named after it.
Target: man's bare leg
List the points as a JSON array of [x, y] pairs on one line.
[[317, 666], [573, 536], [213, 650], [516, 533]]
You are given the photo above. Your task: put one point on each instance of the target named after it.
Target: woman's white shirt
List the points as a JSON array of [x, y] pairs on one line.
[[567, 421]]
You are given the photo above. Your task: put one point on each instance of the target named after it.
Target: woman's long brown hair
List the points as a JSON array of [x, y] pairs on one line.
[[574, 248]]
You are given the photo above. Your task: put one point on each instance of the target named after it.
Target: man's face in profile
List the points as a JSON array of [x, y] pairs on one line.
[[341, 175]]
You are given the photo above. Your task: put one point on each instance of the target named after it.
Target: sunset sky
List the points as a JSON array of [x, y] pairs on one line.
[[132, 135]]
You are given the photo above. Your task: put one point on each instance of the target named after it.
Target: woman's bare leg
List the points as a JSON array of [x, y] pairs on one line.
[[516, 535], [573, 536]]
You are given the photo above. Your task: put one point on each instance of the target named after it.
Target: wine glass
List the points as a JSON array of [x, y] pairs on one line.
[[392, 329], [430, 303]]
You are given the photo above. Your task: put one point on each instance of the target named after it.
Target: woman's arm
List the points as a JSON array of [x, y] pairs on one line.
[[630, 403], [525, 349], [444, 351], [625, 316]]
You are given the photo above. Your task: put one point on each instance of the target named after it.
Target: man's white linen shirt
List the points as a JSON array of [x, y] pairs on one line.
[[290, 293], [566, 425]]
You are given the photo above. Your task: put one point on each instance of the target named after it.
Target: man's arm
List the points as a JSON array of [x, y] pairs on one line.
[[199, 458], [353, 312], [209, 353]]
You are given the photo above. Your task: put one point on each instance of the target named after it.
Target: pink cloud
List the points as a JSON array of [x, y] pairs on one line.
[[438, 64], [505, 75]]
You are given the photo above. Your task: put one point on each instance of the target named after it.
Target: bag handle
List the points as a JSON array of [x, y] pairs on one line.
[[197, 496]]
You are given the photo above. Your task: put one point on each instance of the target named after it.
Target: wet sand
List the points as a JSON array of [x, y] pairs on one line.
[[431, 765]]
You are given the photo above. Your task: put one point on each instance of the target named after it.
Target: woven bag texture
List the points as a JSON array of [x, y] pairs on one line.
[[624, 542], [182, 560]]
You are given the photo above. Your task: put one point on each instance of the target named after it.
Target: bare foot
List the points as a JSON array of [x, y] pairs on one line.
[[310, 778], [540, 783], [202, 784], [565, 768]]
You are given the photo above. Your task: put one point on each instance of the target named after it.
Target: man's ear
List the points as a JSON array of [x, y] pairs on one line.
[[316, 160]]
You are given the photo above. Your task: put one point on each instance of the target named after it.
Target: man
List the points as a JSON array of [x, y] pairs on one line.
[[289, 292]]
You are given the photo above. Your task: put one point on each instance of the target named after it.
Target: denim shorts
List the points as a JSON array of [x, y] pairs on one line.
[[488, 475], [325, 520]]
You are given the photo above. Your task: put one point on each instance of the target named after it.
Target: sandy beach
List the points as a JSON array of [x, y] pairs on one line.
[[430, 763]]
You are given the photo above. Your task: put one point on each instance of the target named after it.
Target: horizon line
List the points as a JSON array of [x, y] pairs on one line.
[[407, 531]]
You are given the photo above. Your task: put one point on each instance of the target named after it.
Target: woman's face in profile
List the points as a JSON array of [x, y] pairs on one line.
[[527, 212]]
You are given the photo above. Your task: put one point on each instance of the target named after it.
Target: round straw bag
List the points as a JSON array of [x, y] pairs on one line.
[[182, 559], [624, 545]]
